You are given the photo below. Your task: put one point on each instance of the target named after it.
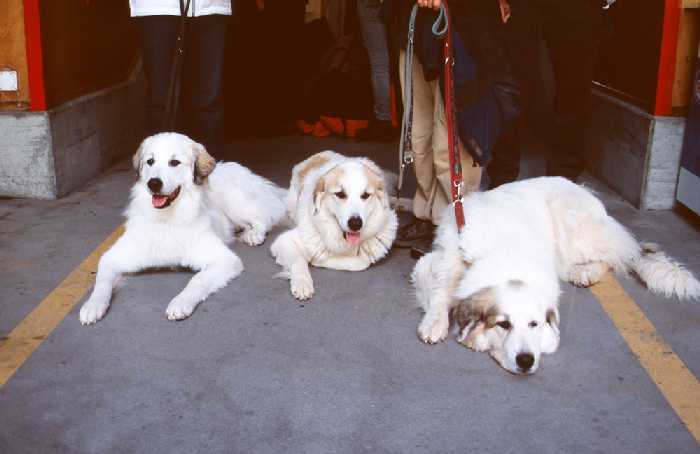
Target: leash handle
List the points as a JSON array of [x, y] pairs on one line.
[[173, 98], [456, 180], [440, 28]]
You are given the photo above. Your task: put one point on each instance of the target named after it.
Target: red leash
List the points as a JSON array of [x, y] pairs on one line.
[[456, 181]]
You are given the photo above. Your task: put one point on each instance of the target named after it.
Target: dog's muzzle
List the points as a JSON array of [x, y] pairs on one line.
[[161, 201]]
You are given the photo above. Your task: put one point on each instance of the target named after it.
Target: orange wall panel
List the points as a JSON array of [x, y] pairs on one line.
[[13, 54]]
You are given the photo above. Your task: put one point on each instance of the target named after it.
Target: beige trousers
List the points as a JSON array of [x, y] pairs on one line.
[[432, 161]]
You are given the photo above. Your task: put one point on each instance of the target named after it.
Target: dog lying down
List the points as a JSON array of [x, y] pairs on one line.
[[500, 276], [343, 219], [184, 209]]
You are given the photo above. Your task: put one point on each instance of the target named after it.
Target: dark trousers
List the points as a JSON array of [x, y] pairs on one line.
[[571, 31], [202, 74]]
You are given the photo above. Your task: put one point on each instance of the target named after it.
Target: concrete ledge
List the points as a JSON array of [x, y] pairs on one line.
[[26, 160], [49, 154], [635, 153]]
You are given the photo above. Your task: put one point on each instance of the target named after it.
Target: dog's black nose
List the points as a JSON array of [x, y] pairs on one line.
[[525, 361], [355, 223], [155, 184]]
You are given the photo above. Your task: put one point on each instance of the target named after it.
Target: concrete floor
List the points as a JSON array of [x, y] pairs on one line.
[[255, 371]]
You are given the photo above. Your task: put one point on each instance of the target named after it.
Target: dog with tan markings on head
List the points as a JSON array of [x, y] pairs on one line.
[[183, 212], [343, 219], [499, 277]]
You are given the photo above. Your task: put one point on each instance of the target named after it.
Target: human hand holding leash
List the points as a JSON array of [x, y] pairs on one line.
[[434, 4]]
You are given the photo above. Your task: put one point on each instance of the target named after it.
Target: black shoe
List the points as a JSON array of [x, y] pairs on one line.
[[378, 131], [415, 230], [421, 247]]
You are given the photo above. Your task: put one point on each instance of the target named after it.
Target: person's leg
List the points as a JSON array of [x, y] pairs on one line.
[[471, 174], [442, 179], [205, 43], [571, 33], [374, 36], [505, 163], [157, 35], [522, 41], [423, 157], [422, 141]]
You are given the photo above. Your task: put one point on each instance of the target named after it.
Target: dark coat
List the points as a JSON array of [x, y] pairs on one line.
[[485, 90]]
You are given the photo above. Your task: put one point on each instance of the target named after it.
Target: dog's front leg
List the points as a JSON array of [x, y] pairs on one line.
[[253, 234], [300, 282], [436, 322], [218, 269], [118, 260], [289, 253], [432, 276]]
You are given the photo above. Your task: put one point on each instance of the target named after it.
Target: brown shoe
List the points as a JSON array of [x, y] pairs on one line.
[[417, 229], [421, 247]]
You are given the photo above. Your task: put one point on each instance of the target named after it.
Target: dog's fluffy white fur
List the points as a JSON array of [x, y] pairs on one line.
[[500, 275], [184, 210], [343, 219]]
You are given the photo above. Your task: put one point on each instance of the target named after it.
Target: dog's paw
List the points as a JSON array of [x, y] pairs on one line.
[[92, 312], [253, 237], [179, 310], [587, 274], [433, 329], [302, 287]]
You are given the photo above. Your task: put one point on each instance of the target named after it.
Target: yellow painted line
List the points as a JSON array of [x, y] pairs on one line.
[[678, 385], [17, 346]]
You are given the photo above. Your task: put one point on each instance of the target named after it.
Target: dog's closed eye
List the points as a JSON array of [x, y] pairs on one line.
[[532, 324], [174, 163]]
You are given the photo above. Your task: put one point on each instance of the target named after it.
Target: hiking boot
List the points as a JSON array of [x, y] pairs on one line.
[[378, 131], [421, 247], [417, 229]]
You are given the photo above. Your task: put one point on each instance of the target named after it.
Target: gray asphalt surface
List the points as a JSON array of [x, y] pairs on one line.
[[253, 370]]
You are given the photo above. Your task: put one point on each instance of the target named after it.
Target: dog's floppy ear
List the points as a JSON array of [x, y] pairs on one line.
[[474, 315], [204, 163], [550, 333], [319, 189], [136, 159]]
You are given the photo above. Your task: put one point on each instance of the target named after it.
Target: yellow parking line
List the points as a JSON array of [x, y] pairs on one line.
[[678, 385], [17, 346]]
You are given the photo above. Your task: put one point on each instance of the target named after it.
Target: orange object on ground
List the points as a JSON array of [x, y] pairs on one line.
[[353, 126], [320, 130], [305, 127], [334, 124]]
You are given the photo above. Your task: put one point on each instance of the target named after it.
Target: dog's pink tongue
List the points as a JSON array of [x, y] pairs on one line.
[[159, 200], [353, 238]]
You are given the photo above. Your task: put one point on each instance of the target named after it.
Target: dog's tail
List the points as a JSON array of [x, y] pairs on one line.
[[616, 246], [664, 275]]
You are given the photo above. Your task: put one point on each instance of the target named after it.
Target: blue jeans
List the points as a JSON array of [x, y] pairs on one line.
[[374, 36]]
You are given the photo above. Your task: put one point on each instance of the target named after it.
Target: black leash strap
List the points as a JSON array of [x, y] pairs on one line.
[[173, 98]]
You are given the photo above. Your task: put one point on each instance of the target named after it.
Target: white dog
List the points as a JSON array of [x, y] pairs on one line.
[[184, 209], [500, 275], [343, 219]]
